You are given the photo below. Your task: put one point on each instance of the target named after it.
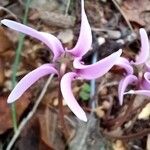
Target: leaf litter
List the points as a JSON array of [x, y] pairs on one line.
[[112, 126]]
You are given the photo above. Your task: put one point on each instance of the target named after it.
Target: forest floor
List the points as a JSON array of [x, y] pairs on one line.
[[115, 25]]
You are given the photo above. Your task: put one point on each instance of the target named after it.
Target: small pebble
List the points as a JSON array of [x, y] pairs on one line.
[[114, 34], [55, 102], [100, 112], [8, 85], [145, 113], [66, 36], [101, 40], [106, 105], [118, 145]]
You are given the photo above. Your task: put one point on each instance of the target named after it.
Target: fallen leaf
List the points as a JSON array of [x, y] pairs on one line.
[[51, 135], [2, 75], [5, 111], [135, 11], [31, 137], [5, 43]]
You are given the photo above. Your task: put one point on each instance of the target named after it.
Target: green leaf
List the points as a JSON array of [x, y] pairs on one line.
[[86, 88], [84, 95]]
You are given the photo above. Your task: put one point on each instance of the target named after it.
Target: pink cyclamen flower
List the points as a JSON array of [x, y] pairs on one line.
[[142, 81], [88, 72]]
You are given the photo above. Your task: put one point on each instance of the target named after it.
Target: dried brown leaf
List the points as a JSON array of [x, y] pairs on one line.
[[2, 75], [5, 43], [135, 10], [49, 127], [31, 137], [5, 112]]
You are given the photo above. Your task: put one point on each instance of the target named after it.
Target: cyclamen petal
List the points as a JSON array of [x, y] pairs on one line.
[[97, 69], [145, 85], [30, 79], [145, 51], [85, 38], [123, 85], [147, 66], [124, 63], [68, 95], [51, 41], [139, 92]]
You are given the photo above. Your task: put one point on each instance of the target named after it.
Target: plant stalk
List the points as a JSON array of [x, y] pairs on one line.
[[16, 64], [60, 102]]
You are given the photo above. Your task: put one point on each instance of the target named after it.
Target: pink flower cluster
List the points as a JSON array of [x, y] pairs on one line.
[[142, 80], [80, 70]]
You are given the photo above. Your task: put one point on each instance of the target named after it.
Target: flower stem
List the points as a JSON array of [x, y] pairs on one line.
[[61, 114], [60, 104], [16, 64], [92, 102]]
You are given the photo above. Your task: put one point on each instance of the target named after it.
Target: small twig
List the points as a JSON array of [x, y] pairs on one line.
[[31, 113], [67, 7], [133, 136], [123, 14], [129, 113], [126, 115], [21, 2], [9, 12]]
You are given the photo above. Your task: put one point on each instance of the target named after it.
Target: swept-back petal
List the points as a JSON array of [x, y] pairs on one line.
[[147, 66], [30, 79], [51, 41], [145, 51], [129, 79], [85, 37], [124, 63], [139, 92], [97, 69], [145, 85], [68, 95]]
